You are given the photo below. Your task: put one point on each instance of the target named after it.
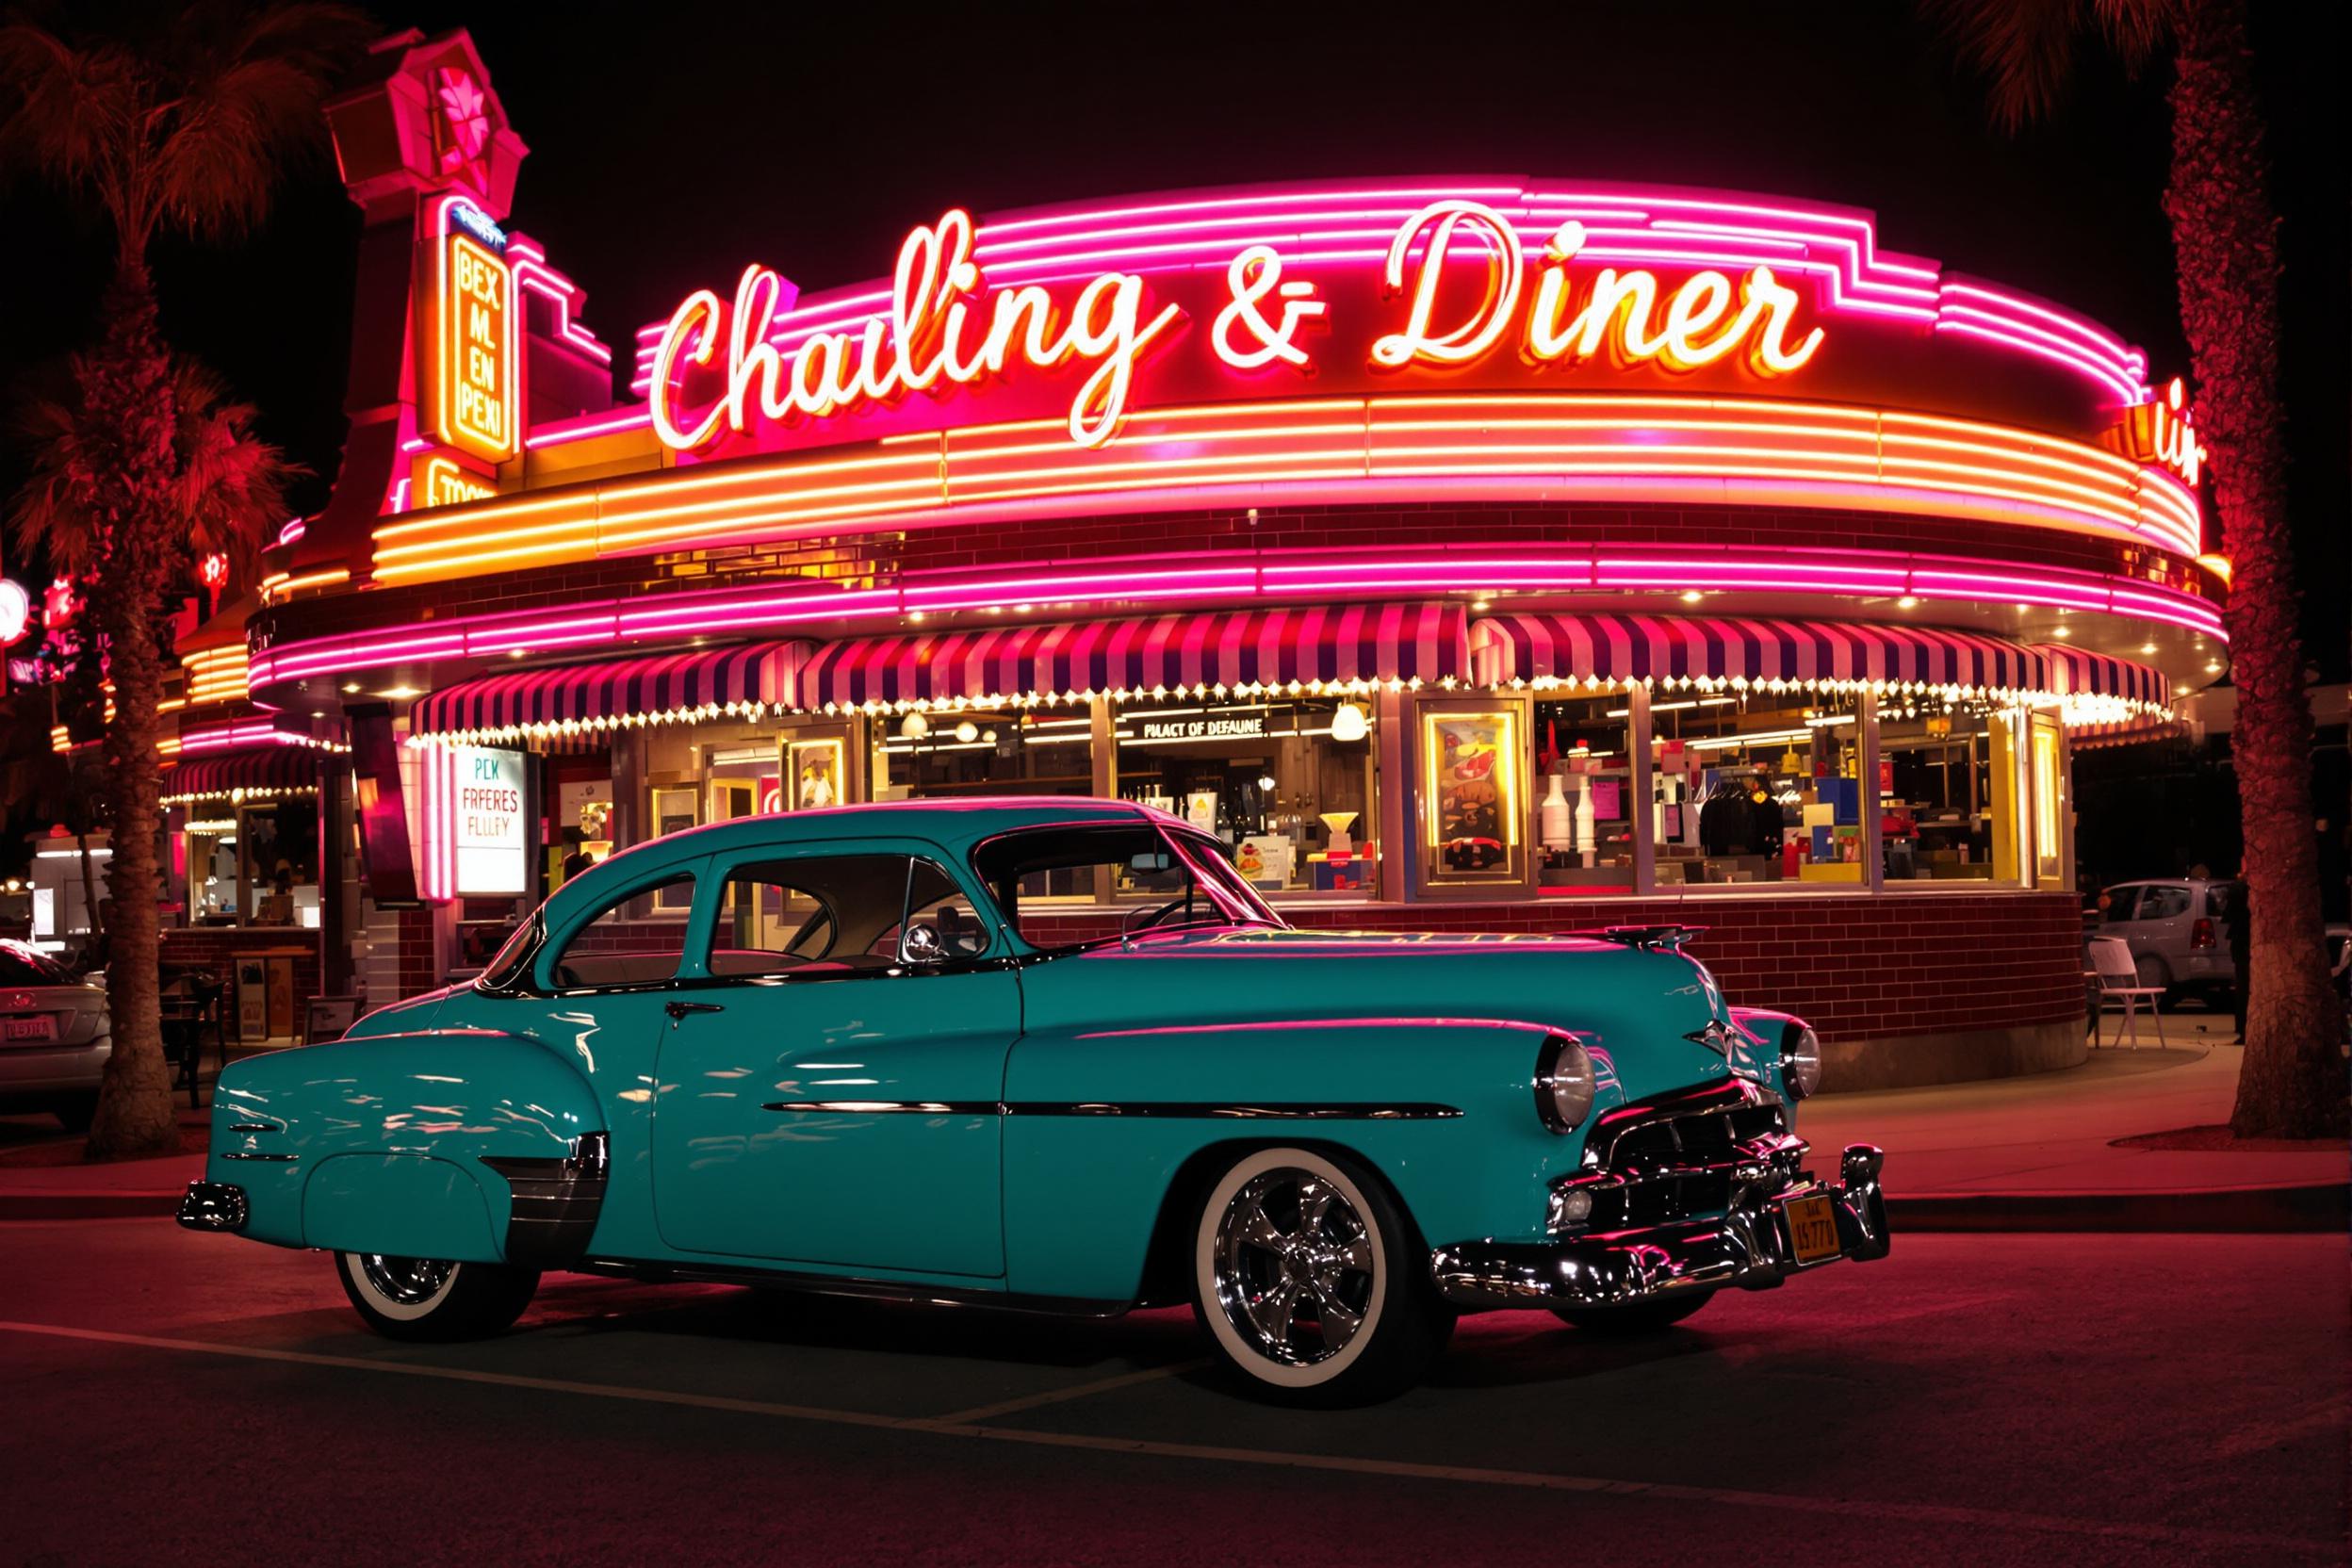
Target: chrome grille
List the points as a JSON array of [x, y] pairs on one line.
[[1680, 1156]]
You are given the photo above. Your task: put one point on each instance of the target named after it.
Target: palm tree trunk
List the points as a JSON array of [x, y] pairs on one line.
[[127, 386], [89, 885], [2225, 242]]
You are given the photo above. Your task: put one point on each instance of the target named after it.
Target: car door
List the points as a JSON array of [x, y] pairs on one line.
[[825, 1100], [595, 992]]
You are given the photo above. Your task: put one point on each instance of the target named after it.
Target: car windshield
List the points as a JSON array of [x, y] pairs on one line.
[[1049, 883], [25, 966]]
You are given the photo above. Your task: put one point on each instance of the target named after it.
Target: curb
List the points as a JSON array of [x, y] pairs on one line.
[[2226, 1210]]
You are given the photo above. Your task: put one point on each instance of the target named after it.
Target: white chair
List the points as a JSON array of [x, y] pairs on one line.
[[2119, 984]]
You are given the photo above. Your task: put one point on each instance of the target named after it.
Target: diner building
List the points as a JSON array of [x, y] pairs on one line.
[[1481, 554]]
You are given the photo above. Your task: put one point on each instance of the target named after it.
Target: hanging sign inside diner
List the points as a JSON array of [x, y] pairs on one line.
[[1459, 285], [1246, 727]]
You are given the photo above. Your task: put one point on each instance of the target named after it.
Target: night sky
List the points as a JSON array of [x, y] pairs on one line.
[[666, 154]]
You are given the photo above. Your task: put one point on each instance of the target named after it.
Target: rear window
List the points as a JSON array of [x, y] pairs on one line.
[[23, 965]]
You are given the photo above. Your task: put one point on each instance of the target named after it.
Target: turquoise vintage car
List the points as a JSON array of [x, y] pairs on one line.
[[902, 1051]]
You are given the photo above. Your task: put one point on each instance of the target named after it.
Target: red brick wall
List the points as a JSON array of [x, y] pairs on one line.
[[1854, 968], [216, 947]]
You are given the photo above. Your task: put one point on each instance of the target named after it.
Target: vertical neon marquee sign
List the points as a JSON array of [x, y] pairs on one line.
[[472, 388]]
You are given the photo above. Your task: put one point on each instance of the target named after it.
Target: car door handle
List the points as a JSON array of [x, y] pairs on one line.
[[680, 1009]]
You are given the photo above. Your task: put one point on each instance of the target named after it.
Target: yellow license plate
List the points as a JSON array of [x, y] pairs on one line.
[[1812, 1228]]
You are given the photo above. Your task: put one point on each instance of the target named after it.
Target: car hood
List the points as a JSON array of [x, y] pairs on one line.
[[1638, 1008]]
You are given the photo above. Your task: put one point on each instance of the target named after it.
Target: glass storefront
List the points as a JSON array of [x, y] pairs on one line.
[[1287, 785], [251, 863]]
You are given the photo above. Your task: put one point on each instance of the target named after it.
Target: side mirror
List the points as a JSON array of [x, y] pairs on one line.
[[918, 947]]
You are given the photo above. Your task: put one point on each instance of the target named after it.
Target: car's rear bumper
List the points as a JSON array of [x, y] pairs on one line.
[[213, 1206], [27, 1071], [1748, 1245]]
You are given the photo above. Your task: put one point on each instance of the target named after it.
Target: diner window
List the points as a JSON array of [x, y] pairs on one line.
[[254, 864], [1287, 785], [629, 943], [1950, 786], [1031, 751], [1758, 786], [1585, 807]]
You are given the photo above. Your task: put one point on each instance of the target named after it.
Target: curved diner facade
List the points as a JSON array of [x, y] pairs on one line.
[[1515, 554]]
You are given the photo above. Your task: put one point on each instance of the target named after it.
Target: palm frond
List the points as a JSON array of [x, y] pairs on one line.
[[2027, 48], [66, 111], [230, 488]]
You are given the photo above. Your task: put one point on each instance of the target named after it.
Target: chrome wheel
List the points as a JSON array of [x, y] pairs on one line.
[[1295, 1266], [405, 1281]]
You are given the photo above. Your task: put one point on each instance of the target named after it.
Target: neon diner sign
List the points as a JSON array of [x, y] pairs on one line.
[[718, 366]]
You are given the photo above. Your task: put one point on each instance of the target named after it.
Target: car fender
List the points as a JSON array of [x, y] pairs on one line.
[[1440, 1109], [411, 1144]]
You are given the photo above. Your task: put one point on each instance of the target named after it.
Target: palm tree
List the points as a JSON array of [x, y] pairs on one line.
[[2225, 247], [167, 121]]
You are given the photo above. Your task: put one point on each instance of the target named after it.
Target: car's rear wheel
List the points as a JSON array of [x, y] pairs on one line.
[[431, 1299], [1641, 1318], [1312, 1283]]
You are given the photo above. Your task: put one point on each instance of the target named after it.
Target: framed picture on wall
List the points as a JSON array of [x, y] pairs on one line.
[[1472, 793], [814, 772]]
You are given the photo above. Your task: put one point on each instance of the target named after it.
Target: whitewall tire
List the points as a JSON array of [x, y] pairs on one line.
[[1311, 1281], [431, 1299]]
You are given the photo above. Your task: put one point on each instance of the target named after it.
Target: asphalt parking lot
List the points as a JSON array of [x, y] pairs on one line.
[[1989, 1398]]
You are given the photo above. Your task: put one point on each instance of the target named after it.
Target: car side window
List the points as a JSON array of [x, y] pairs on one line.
[[629, 943], [2163, 902], [2121, 902], [936, 904], [810, 915]]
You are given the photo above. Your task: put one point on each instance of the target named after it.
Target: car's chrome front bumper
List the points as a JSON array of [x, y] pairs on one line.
[[213, 1206], [1747, 1246]]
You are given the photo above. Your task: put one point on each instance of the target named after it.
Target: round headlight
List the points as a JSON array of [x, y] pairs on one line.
[[1800, 1061], [1564, 1084]]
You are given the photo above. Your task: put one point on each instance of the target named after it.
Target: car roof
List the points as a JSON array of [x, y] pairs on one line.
[[954, 825]]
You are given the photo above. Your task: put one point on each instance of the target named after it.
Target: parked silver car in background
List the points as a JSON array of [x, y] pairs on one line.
[[55, 1036], [2178, 932]]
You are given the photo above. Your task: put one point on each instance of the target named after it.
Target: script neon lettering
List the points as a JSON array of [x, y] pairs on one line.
[[1484, 326], [1617, 319], [936, 333]]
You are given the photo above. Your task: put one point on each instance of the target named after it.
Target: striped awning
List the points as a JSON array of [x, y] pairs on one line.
[[2082, 673], [1674, 649], [746, 679], [1241, 649], [261, 770]]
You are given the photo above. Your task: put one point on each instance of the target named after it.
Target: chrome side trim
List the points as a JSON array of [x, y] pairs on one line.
[[273, 1158], [1270, 1111], [1198, 1110], [889, 1107]]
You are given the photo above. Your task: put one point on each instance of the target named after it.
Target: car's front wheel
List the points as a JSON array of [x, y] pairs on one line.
[[1641, 1318], [431, 1299], [1312, 1284]]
